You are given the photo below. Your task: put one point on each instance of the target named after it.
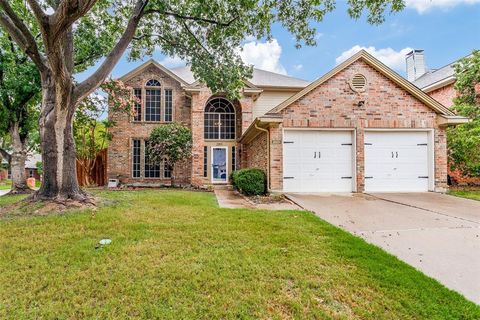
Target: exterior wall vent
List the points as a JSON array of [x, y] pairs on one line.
[[358, 83]]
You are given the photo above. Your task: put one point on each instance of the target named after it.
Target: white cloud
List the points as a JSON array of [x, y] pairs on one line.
[[423, 6], [263, 55], [393, 59], [318, 35], [172, 62], [298, 67]]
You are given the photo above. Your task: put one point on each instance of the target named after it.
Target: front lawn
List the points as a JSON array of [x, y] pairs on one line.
[[5, 184], [469, 194], [176, 255]]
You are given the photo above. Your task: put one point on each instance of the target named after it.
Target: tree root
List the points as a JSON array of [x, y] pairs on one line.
[[17, 191]]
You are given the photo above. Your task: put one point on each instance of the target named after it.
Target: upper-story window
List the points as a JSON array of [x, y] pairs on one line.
[[219, 119], [153, 100], [137, 92], [150, 106]]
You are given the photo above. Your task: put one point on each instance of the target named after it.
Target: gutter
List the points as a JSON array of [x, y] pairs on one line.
[[448, 121], [439, 84]]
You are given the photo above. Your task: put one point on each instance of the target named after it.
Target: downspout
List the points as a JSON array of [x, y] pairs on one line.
[[268, 154]]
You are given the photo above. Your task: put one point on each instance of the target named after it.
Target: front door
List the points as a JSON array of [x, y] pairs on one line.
[[219, 164]]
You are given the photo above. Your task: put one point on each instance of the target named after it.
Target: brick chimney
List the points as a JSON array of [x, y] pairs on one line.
[[416, 67]]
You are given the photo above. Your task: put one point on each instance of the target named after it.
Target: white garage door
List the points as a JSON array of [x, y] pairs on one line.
[[317, 161], [396, 161]]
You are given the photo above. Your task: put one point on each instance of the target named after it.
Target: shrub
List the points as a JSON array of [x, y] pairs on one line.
[[249, 181]]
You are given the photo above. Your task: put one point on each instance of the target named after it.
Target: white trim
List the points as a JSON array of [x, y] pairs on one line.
[[439, 84], [430, 151], [226, 164], [353, 132]]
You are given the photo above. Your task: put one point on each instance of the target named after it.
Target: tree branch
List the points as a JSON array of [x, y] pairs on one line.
[[20, 33], [37, 10], [92, 82], [5, 155], [67, 13], [193, 18]]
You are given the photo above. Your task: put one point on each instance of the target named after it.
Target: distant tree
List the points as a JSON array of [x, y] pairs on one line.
[[464, 140], [91, 134], [170, 142], [19, 109], [63, 37]]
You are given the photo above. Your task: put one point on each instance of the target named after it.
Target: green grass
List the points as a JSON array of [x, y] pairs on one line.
[[469, 194], [176, 255], [7, 184]]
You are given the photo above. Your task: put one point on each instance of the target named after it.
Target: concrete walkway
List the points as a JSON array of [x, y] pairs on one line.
[[437, 234], [4, 192], [231, 200]]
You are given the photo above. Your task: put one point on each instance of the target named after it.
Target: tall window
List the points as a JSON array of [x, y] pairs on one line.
[[152, 170], [138, 105], [136, 159], [167, 170], [234, 158], [153, 97], [168, 105], [205, 161], [219, 119]]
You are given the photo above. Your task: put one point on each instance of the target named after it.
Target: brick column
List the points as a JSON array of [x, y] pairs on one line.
[[276, 157], [198, 105], [441, 160]]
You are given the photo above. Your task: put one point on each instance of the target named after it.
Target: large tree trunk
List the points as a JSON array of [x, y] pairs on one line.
[[58, 145], [17, 162]]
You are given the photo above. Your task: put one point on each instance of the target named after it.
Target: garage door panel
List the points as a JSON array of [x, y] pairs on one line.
[[318, 161], [396, 161]]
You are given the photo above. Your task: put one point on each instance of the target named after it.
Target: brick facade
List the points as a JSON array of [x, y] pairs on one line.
[[126, 130], [334, 104], [189, 109], [444, 95], [256, 152]]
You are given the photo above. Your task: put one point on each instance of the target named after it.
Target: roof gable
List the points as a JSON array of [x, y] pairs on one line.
[[380, 67], [145, 65]]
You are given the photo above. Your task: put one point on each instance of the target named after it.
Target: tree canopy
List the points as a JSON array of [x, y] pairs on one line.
[[464, 140], [64, 37]]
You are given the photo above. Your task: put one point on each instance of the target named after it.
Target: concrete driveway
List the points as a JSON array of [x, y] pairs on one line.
[[436, 233]]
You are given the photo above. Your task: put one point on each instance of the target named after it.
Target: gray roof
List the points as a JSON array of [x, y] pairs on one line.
[[434, 76], [261, 78], [31, 162]]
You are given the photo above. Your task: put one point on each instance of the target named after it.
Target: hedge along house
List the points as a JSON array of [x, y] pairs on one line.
[[360, 127]]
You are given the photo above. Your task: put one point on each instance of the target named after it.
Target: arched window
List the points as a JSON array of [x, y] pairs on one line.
[[152, 83], [153, 98], [219, 119]]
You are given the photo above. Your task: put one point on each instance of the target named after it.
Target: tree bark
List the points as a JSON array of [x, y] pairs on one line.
[[57, 144], [17, 161]]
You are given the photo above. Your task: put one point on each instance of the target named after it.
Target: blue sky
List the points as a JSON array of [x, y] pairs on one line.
[[445, 29]]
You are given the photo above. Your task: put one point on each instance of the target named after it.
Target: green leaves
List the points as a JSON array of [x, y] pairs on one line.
[[464, 140], [19, 89], [172, 142]]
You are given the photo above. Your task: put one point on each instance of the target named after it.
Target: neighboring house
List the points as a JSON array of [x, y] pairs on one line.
[[439, 84], [360, 127], [31, 170]]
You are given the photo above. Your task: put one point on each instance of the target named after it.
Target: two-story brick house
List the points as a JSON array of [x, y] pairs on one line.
[[360, 127]]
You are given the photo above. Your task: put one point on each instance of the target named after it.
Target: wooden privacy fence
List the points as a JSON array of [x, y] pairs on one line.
[[98, 174]]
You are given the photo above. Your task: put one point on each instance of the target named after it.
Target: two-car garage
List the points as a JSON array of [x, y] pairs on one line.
[[326, 161]]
